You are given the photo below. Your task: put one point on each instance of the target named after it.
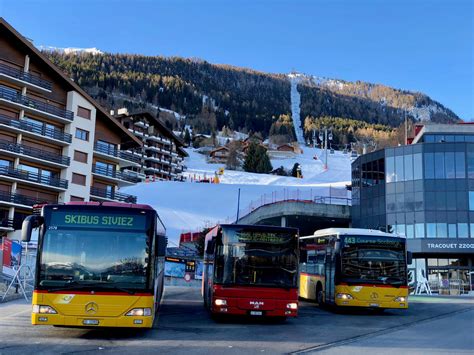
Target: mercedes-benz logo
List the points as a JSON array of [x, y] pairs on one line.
[[92, 308], [374, 295]]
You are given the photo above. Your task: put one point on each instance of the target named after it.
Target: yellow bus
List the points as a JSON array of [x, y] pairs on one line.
[[349, 267], [98, 264]]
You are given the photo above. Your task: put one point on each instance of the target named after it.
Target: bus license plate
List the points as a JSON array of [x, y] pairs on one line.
[[256, 313], [90, 322], [374, 305]]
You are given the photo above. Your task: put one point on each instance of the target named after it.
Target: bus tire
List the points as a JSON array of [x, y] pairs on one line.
[[319, 295]]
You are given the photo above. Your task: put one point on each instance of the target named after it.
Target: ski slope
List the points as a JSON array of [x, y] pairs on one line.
[[190, 206], [295, 108]]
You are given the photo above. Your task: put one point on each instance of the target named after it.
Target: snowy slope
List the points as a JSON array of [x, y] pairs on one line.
[[295, 107], [338, 172], [190, 206]]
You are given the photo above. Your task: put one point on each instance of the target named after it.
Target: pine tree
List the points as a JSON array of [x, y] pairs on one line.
[[187, 137], [264, 165], [251, 158]]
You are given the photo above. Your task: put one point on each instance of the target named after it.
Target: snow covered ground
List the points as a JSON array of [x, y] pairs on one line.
[[190, 206], [295, 107]]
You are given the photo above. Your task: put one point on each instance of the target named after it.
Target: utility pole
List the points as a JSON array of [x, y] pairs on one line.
[[324, 136]]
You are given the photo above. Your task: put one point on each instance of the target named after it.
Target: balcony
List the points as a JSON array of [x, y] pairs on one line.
[[19, 76], [35, 154], [23, 102], [115, 174], [36, 130], [35, 178], [112, 195], [121, 156], [6, 224], [22, 200]]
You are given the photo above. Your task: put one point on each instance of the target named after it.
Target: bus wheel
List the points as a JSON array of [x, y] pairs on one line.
[[320, 296]]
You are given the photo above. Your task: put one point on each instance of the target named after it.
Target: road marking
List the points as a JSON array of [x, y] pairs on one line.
[[16, 314], [182, 301], [374, 334]]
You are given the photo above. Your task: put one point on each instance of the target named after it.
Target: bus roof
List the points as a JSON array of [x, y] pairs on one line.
[[353, 231], [106, 204]]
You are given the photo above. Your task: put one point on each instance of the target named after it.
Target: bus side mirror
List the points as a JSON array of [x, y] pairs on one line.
[[210, 246], [161, 245], [30, 222], [409, 257]]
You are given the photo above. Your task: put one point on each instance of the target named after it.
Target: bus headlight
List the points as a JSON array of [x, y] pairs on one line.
[[292, 306], [139, 312], [219, 302], [400, 299], [344, 296], [41, 309]]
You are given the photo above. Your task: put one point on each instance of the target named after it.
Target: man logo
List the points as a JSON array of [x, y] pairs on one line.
[[92, 308], [374, 295]]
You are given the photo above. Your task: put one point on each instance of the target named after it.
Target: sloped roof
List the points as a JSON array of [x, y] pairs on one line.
[[69, 83]]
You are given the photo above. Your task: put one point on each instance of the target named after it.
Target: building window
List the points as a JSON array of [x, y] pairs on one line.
[[78, 179], [452, 232], [419, 230], [82, 134], [83, 112], [463, 230], [80, 156], [471, 200], [429, 166], [460, 165], [76, 198]]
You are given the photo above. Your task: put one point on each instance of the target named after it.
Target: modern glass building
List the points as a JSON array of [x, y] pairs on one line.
[[425, 191]]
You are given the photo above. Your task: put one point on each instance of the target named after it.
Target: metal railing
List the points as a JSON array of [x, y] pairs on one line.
[[330, 195], [34, 152], [21, 75], [14, 96], [40, 129], [113, 195], [22, 199], [6, 223], [115, 174], [33, 177], [116, 153]]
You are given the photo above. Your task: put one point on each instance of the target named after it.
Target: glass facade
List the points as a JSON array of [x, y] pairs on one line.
[[425, 192], [421, 190]]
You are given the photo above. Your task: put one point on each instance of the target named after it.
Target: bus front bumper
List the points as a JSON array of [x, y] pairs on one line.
[[371, 297], [82, 321]]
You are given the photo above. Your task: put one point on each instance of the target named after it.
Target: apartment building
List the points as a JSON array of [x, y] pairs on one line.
[[162, 152], [56, 143]]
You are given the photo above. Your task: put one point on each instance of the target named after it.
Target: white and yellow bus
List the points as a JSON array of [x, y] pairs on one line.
[[349, 267]]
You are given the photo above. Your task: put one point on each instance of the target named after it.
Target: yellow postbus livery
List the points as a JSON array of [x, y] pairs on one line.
[[97, 264], [349, 267]]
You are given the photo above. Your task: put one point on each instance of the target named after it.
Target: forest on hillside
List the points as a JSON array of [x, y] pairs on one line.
[[212, 96]]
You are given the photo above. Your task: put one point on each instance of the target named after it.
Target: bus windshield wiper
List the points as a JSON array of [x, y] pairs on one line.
[[77, 285]]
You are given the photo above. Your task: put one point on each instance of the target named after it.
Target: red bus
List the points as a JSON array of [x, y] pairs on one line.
[[98, 264], [251, 270]]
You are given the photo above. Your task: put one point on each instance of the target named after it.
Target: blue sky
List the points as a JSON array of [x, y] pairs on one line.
[[419, 45]]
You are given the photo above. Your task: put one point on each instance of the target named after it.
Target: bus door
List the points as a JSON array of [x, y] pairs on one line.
[[330, 271]]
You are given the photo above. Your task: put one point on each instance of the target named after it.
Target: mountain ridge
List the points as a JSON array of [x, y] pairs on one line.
[[214, 95]]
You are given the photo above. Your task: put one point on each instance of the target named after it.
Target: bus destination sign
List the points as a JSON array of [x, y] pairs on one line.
[[381, 241], [257, 237], [63, 219]]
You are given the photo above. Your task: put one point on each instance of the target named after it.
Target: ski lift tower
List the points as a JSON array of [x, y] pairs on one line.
[[325, 135]]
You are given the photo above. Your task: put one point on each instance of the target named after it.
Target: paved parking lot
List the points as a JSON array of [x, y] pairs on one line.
[[431, 324]]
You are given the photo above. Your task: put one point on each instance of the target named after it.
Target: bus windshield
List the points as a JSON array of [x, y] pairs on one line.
[[257, 258], [379, 260], [86, 249]]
